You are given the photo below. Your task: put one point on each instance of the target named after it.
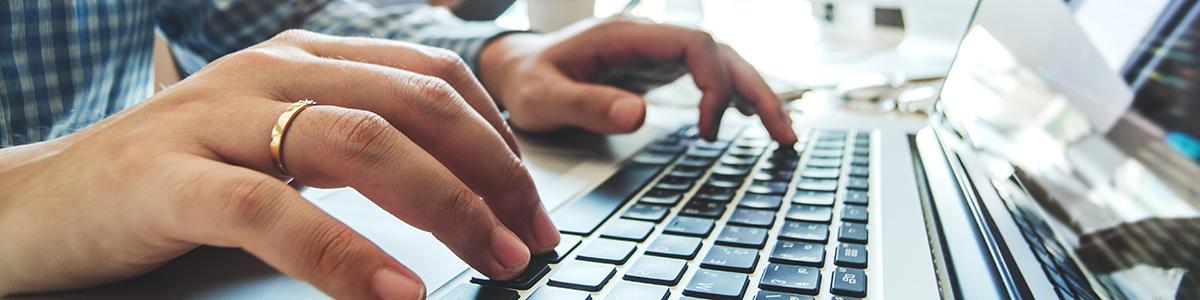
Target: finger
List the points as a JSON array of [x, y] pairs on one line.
[[599, 108], [430, 112], [433, 115], [624, 41], [502, 181], [328, 146], [751, 86], [417, 58], [224, 205]]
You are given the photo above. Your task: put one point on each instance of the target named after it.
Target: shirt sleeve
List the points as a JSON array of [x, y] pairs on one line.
[[204, 30]]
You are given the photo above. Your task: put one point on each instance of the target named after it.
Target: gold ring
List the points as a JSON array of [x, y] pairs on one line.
[[281, 128]]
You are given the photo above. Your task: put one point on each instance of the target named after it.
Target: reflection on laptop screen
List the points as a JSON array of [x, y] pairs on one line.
[[1105, 169], [1167, 84]]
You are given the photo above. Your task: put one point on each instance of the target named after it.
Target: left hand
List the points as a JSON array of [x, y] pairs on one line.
[[566, 78]]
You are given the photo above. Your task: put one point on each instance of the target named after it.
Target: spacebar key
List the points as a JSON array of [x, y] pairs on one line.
[[584, 215]]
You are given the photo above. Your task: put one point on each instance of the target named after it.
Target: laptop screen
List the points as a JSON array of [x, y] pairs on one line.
[[1109, 165]]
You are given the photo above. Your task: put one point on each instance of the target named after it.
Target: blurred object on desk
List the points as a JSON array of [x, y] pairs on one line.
[[551, 15]]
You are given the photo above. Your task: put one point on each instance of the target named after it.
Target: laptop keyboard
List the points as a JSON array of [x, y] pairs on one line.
[[738, 218]]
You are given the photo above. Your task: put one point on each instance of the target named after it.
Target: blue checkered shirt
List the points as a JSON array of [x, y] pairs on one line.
[[65, 64]]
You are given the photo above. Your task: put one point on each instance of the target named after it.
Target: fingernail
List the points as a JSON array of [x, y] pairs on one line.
[[625, 113], [389, 284], [508, 249], [547, 234]]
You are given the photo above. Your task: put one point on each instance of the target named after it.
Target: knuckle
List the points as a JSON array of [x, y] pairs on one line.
[[449, 66], [247, 200], [459, 204], [293, 36], [702, 38], [333, 250], [357, 135], [437, 99], [255, 58], [615, 21]]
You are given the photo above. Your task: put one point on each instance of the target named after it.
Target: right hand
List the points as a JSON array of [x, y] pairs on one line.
[[406, 125]]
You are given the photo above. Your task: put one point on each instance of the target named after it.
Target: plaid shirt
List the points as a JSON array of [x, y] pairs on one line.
[[65, 64]]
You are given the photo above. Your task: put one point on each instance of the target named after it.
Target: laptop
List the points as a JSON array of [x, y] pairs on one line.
[[1040, 174]]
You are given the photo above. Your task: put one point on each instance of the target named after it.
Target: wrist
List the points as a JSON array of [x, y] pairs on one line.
[[499, 57]]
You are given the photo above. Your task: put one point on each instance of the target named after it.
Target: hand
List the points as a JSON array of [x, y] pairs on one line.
[[566, 78], [192, 167]]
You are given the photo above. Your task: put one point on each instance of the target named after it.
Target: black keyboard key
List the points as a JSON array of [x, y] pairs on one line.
[[771, 202], [791, 279], [524, 281], [804, 231], [769, 295], [856, 197], [746, 142], [853, 233], [582, 275], [690, 226], [718, 145], [704, 153], [774, 175], [732, 259], [661, 197], [817, 184], [638, 291], [698, 162], [799, 253], [829, 145], [845, 298], [724, 182], [813, 198], [687, 172], [827, 153], [822, 173], [851, 255], [629, 230], [715, 194], [469, 291], [667, 245], [849, 282], [860, 150], [656, 270], [712, 284], [665, 148], [703, 209], [860, 171], [810, 213], [566, 244], [752, 217], [823, 163], [727, 170], [607, 251], [746, 237], [768, 187], [584, 215], [858, 183], [679, 187], [861, 161], [743, 151], [734, 160], [653, 159], [646, 212], [779, 165], [854, 213], [553, 293]]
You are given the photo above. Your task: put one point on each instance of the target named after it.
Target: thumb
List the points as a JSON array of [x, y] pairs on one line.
[[599, 108]]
